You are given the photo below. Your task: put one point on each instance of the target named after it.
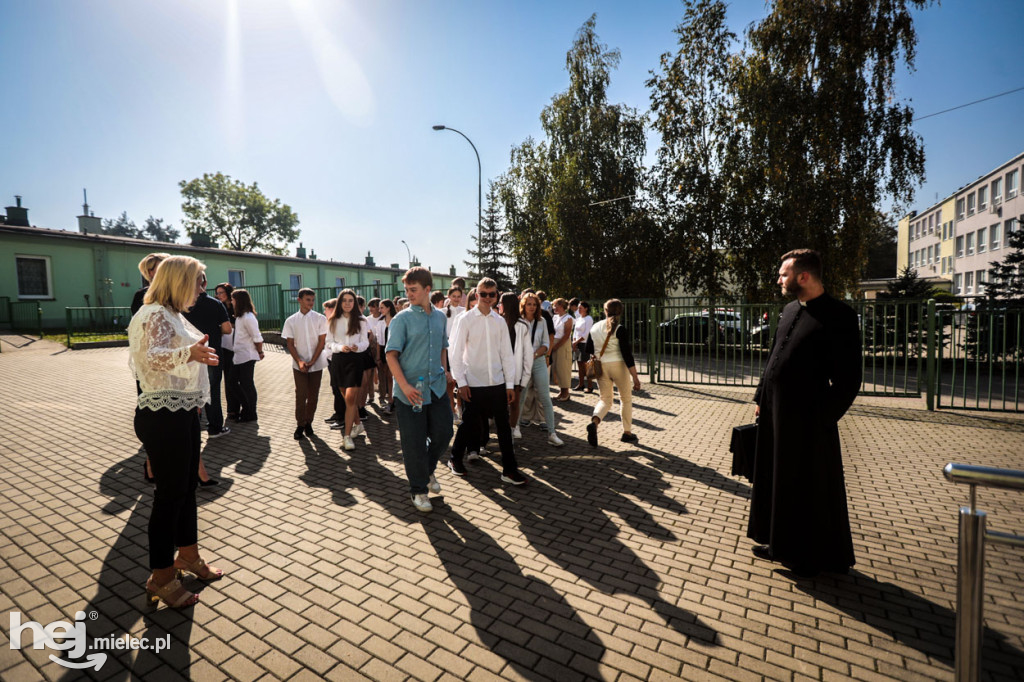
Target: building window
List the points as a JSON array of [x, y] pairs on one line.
[[970, 204], [970, 244], [1011, 184], [958, 284], [943, 266], [959, 209], [34, 279], [1009, 226], [969, 283], [979, 279], [959, 247], [236, 278], [931, 223], [376, 288], [982, 198], [294, 282], [339, 284], [994, 238], [997, 191], [930, 255], [982, 240]]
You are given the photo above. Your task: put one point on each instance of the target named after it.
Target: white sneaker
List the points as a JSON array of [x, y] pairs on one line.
[[433, 486], [422, 503], [358, 430], [472, 456], [553, 439], [349, 444], [517, 434]]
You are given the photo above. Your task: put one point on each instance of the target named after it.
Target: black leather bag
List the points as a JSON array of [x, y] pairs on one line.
[[744, 441]]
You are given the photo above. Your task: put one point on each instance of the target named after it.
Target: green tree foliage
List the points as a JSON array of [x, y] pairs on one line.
[[693, 102], [237, 216], [492, 252], [825, 137], [121, 226], [908, 286], [881, 245], [155, 229], [1005, 287], [563, 238]]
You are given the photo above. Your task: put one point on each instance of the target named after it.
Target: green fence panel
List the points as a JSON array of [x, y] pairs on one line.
[[97, 324], [720, 345], [893, 343], [5, 310], [979, 356], [26, 316], [268, 301]]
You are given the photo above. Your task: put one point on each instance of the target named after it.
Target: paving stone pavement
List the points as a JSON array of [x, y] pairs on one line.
[[626, 562]]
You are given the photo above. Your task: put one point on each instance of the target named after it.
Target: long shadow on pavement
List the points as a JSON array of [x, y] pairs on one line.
[[518, 617], [120, 602], [568, 521], [910, 619]]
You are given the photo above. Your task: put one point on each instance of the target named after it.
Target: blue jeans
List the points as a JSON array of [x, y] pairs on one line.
[[539, 376], [414, 428]]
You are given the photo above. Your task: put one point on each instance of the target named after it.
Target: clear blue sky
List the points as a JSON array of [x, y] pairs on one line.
[[328, 104]]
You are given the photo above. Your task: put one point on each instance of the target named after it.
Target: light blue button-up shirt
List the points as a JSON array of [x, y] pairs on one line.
[[419, 337]]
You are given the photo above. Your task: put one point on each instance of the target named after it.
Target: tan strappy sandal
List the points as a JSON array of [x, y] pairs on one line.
[[173, 594], [198, 568]]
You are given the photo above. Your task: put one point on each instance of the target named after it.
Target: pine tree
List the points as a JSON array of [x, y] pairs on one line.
[[908, 286], [491, 254], [1005, 287]]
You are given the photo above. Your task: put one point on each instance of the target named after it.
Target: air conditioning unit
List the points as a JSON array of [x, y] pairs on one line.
[[996, 208]]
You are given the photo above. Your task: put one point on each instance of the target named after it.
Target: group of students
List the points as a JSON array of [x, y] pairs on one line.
[[438, 364]]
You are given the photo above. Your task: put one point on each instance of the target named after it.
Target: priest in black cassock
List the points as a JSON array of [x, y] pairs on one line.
[[798, 506]]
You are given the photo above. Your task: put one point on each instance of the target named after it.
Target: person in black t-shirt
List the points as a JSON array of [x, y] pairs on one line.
[[210, 317]]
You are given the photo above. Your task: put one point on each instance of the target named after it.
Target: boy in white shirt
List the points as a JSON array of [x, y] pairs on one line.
[[305, 332]]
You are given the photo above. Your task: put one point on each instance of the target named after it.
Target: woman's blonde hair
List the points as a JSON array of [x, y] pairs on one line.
[[175, 282], [150, 262]]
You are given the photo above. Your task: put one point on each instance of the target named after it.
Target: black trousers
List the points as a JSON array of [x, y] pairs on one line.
[[486, 402], [214, 412], [172, 441], [246, 390], [227, 359], [339, 397]]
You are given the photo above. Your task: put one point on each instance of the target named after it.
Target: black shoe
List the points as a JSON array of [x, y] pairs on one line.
[[298, 434], [363, 414], [308, 430], [762, 552], [458, 468], [209, 483], [333, 419], [629, 438], [592, 434], [515, 478], [145, 474]]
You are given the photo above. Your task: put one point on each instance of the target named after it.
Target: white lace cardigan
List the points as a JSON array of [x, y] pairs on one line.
[[159, 340]]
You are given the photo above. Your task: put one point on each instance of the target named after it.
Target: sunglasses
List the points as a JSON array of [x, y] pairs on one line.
[[487, 294]]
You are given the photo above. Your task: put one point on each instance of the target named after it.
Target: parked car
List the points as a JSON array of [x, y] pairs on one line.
[[692, 329]]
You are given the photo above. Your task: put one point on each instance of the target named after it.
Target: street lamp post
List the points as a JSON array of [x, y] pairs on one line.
[[407, 252], [479, 200]]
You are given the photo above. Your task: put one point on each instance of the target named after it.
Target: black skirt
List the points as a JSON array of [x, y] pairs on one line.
[[368, 361], [348, 369]]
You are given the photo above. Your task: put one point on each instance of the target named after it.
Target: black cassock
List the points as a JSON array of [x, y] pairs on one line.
[[798, 505]]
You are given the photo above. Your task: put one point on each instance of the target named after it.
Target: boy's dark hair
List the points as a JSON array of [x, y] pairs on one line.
[[542, 295], [360, 301], [459, 283], [573, 301], [306, 291], [805, 260], [374, 302], [436, 297], [418, 275]]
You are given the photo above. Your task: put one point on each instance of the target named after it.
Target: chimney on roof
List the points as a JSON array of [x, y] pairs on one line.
[[300, 252], [87, 222], [451, 271], [17, 215], [312, 255], [369, 259]]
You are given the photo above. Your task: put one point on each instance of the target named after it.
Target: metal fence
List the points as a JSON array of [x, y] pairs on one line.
[[26, 316], [90, 323], [978, 359], [268, 300], [893, 345], [5, 310]]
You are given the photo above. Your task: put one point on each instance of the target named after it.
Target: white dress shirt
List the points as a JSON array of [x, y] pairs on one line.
[[480, 352], [340, 338], [582, 328], [247, 335], [305, 332], [560, 321]]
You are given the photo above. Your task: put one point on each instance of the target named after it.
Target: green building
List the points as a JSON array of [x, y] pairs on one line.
[[58, 269]]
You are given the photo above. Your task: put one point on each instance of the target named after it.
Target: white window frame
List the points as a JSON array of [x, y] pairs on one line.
[[958, 283], [997, 191], [1012, 192], [960, 247], [969, 282], [982, 240], [960, 209], [969, 244], [983, 197], [48, 296], [294, 274], [995, 236], [241, 278]]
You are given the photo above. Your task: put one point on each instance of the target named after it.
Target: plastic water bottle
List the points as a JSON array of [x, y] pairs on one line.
[[420, 386]]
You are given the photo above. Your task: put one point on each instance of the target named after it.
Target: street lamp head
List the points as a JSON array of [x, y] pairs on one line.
[[438, 127]]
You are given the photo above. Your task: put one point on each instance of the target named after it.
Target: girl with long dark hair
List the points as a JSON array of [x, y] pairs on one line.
[[348, 338], [248, 349]]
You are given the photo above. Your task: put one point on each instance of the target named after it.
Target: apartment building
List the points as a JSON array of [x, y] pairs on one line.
[[956, 240]]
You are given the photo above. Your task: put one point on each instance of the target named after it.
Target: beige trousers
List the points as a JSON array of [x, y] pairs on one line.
[[618, 374], [561, 366]]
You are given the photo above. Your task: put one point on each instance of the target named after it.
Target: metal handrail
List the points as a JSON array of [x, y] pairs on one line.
[[970, 586]]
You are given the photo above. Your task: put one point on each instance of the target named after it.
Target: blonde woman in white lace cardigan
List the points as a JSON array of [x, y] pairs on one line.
[[168, 356]]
